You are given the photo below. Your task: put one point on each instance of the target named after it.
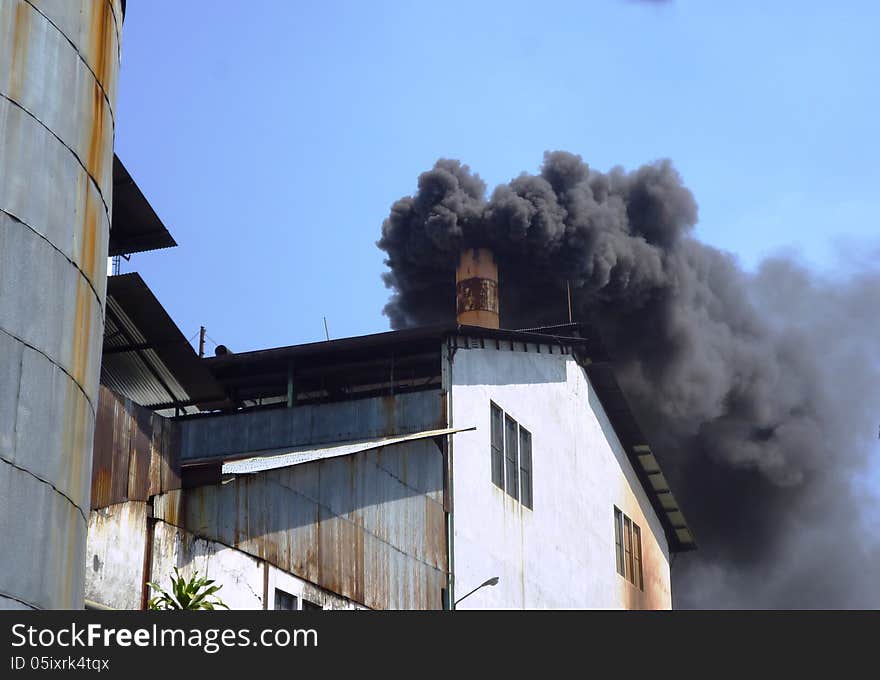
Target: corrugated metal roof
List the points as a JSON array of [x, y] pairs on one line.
[[382, 342], [135, 227], [406, 358], [307, 454], [146, 358]]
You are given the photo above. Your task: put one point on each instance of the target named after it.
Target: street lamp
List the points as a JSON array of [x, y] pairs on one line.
[[489, 582]]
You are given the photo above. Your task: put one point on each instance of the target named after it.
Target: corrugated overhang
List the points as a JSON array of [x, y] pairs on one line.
[[273, 460], [643, 461], [146, 358], [135, 227]]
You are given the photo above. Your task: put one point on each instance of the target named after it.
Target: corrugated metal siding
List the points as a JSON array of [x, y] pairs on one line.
[[370, 527], [313, 424], [136, 452]]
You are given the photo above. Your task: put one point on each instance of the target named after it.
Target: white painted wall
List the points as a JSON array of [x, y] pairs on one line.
[[114, 566], [305, 590], [240, 574], [561, 554]]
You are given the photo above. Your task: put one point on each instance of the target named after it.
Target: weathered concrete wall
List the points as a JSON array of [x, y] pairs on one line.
[[314, 424], [561, 554], [115, 555], [115, 564], [59, 62], [369, 526]]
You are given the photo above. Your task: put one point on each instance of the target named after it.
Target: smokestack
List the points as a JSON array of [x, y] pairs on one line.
[[476, 288]]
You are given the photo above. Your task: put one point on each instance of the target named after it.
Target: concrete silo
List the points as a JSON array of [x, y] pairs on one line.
[[59, 64]]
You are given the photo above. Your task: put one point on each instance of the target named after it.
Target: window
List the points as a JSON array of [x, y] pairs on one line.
[[628, 549], [637, 556], [618, 540], [511, 453], [285, 601], [525, 466], [497, 446], [511, 470]]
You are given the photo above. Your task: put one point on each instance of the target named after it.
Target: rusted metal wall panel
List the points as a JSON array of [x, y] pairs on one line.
[[140, 453], [370, 526], [58, 68], [313, 424], [137, 453]]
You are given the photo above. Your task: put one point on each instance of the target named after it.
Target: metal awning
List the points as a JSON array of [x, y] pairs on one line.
[[135, 227], [306, 454], [674, 515]]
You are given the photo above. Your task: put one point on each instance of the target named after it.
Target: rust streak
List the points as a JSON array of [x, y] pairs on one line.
[[19, 51], [95, 162], [101, 29], [76, 420], [89, 255], [82, 322], [100, 46]]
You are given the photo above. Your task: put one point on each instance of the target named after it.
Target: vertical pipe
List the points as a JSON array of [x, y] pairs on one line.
[[59, 64], [290, 393], [568, 290], [447, 354], [149, 539], [202, 342]]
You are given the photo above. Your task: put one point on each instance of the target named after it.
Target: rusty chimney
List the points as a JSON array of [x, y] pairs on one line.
[[476, 288]]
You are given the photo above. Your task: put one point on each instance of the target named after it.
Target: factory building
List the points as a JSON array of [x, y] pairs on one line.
[[399, 470]]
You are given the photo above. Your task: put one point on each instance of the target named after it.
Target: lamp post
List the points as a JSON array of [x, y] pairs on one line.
[[489, 582]]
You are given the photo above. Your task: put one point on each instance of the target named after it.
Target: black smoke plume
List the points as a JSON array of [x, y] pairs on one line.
[[759, 391]]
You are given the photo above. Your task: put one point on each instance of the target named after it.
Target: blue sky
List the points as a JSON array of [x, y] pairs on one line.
[[273, 136]]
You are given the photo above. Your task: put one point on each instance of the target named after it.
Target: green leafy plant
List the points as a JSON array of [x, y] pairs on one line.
[[197, 593]]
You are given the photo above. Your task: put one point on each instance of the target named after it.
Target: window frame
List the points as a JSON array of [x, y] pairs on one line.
[[496, 443], [511, 470], [511, 457], [281, 596], [618, 542], [628, 549], [526, 493]]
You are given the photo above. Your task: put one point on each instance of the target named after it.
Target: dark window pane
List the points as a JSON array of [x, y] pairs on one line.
[[497, 448], [511, 479], [525, 466], [627, 546], [311, 606], [637, 555], [284, 600], [618, 540]]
